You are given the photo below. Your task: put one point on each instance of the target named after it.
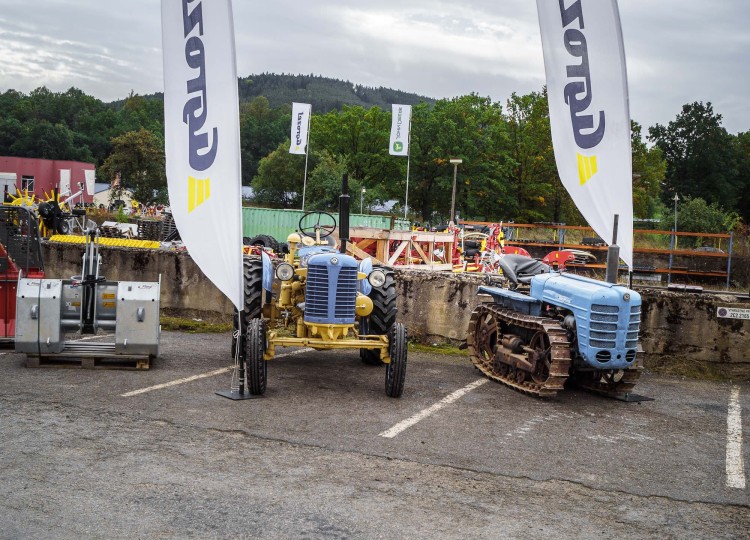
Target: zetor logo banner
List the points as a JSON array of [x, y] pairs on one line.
[[587, 86], [201, 124]]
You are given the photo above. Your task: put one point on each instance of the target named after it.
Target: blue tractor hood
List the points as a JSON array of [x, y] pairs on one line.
[[607, 316]]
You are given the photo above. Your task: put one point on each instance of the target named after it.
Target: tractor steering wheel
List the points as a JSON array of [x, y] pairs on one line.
[[324, 230]]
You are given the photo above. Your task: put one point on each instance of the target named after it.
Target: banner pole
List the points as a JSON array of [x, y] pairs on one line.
[[406, 202], [307, 153]]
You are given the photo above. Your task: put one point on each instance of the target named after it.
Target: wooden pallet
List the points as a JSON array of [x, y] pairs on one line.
[[134, 363]]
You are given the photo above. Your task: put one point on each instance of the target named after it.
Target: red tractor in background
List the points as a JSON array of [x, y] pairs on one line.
[[20, 256]]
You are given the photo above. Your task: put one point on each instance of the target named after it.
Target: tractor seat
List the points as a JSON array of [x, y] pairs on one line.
[[520, 269]]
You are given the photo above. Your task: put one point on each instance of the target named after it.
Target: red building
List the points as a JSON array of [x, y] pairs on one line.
[[42, 176]]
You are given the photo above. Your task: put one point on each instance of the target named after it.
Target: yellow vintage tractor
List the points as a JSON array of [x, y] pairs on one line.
[[322, 298]]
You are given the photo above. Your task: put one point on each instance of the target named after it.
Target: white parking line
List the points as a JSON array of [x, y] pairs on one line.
[[198, 377], [406, 424], [735, 465]]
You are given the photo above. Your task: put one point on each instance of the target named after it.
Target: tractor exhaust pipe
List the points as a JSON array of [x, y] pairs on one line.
[[344, 212], [613, 255]]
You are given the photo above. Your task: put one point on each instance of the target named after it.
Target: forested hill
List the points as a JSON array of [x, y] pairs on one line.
[[323, 93]]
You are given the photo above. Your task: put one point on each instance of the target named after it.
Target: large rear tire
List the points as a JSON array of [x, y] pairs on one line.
[[395, 372], [253, 293], [256, 367], [266, 241], [382, 318]]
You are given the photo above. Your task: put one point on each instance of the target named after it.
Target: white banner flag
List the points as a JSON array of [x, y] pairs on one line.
[[201, 124], [300, 127], [65, 182], [587, 84], [90, 181], [400, 126]]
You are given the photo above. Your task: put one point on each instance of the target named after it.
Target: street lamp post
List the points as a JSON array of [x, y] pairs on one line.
[[455, 162], [674, 240], [362, 199]]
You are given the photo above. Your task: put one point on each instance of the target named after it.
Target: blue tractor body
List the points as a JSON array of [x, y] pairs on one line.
[[607, 316]]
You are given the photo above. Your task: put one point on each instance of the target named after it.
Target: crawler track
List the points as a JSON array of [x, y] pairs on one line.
[[484, 338]]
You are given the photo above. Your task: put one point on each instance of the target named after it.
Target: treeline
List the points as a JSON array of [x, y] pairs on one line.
[[323, 93], [508, 170]]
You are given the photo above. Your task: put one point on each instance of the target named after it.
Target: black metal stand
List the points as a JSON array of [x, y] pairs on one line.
[[234, 395], [241, 394]]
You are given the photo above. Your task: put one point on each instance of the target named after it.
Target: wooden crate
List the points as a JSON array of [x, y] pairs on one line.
[[132, 363], [404, 249]]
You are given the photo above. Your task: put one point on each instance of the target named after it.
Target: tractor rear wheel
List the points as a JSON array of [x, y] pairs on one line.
[[265, 241], [256, 367], [382, 318], [252, 269], [395, 372]]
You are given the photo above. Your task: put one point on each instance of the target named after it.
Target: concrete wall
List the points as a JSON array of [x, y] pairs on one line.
[[683, 329], [677, 329], [185, 290]]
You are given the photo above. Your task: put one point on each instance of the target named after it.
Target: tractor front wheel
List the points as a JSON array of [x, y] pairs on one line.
[[256, 367], [253, 296], [395, 372], [382, 318]]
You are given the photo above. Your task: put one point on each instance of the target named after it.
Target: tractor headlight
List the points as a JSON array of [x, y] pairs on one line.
[[626, 297], [376, 278], [285, 271]]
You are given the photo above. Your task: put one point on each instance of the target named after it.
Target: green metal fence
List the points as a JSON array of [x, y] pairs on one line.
[[279, 223]]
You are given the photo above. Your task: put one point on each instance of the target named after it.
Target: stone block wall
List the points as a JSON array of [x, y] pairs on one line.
[[677, 329]]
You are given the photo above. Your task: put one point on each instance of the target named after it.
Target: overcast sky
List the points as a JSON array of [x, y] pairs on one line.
[[678, 51]]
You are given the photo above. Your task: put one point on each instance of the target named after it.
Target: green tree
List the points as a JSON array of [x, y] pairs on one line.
[[537, 193], [743, 172], [649, 169], [700, 154], [138, 156], [261, 131], [280, 178], [139, 113], [324, 183], [41, 139], [696, 215], [473, 129], [361, 136]]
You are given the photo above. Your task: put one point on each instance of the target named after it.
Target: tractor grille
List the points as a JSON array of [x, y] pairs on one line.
[[323, 304], [604, 326], [346, 293], [634, 326], [316, 293]]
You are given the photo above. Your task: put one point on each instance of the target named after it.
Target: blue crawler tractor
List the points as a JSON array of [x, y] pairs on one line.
[[564, 327]]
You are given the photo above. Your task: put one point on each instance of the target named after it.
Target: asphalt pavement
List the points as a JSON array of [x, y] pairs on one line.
[[326, 454]]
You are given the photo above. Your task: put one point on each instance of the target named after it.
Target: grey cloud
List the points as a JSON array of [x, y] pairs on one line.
[[678, 51]]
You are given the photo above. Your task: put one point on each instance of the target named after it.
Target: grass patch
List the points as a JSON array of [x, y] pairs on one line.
[[193, 326], [442, 348], [700, 370]]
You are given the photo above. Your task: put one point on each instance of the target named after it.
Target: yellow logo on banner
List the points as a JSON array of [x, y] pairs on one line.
[[586, 168], [198, 192]]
